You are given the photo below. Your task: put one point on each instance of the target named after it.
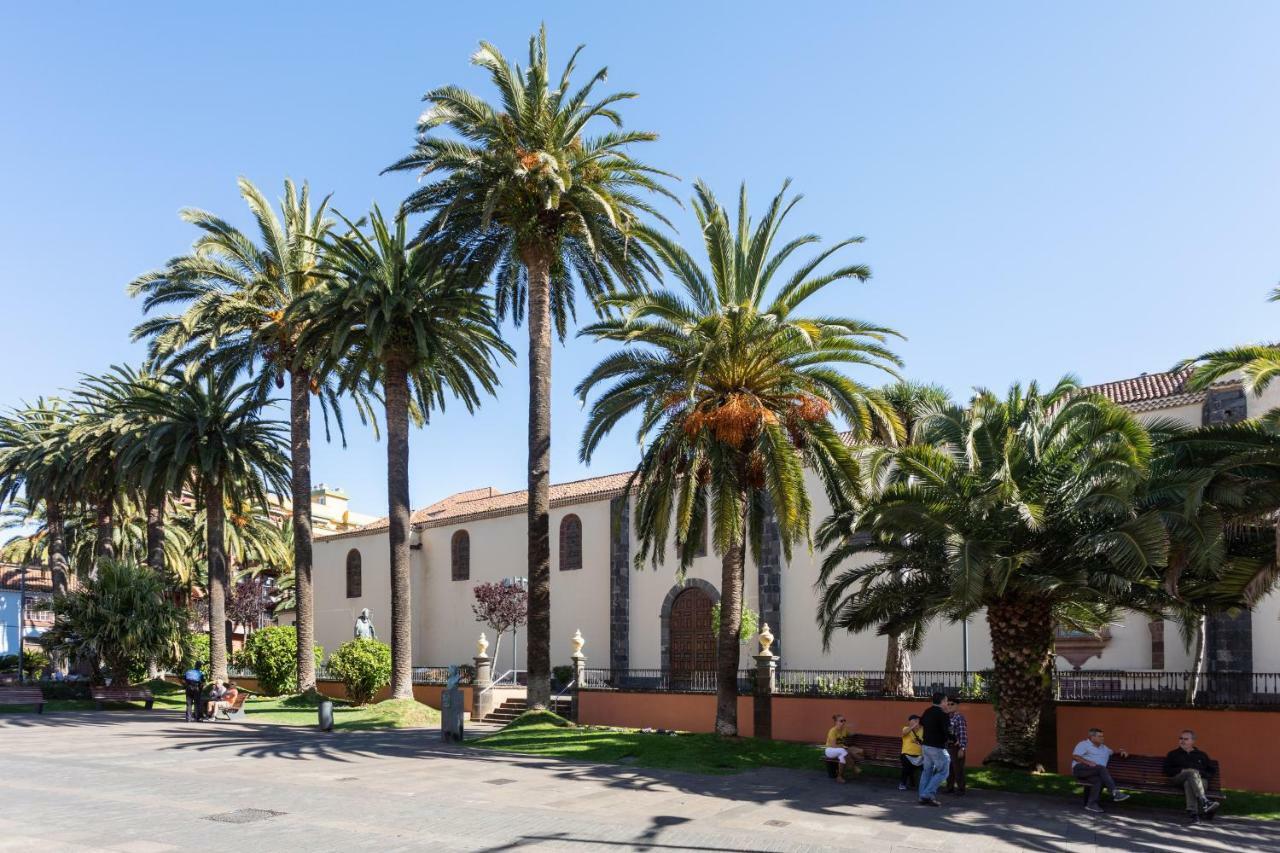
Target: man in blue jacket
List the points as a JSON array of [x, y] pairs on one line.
[[193, 681]]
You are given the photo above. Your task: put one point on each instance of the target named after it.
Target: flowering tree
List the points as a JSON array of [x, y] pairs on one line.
[[247, 603], [503, 607]]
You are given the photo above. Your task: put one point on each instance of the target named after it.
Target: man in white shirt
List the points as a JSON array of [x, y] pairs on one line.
[[1089, 765]]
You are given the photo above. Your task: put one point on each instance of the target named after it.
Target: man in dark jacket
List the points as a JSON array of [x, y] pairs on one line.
[[1189, 769], [935, 730]]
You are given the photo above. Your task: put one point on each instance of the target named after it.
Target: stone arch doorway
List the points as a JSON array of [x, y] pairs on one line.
[[688, 644]]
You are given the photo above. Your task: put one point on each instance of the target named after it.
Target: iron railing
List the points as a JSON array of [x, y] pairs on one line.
[[1105, 687], [440, 674], [657, 680]]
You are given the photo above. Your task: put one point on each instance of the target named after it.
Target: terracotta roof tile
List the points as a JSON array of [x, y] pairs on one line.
[[1148, 386]]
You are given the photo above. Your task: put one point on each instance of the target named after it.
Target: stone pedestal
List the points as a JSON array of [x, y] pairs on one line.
[[766, 668], [482, 699], [579, 679]]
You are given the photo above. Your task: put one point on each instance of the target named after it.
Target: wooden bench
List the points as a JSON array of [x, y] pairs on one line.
[[121, 694], [23, 696], [234, 711], [881, 750], [1146, 773]]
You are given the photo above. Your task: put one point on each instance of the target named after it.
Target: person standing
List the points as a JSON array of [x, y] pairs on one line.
[[957, 746], [936, 728], [1089, 765], [1189, 769], [911, 758], [193, 681]]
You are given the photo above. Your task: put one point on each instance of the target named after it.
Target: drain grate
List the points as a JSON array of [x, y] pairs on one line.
[[498, 781], [777, 823], [244, 816]]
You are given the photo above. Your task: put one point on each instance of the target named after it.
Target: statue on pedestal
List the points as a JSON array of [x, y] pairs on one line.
[[364, 627]]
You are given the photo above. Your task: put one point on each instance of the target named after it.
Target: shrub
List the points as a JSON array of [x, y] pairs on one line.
[[272, 655], [363, 666], [836, 685], [195, 649], [562, 674]]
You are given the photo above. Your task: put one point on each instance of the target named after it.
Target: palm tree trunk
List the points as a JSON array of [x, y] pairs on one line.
[[728, 644], [105, 545], [215, 534], [300, 444], [897, 668], [397, 414], [155, 536], [538, 644], [1197, 660], [58, 569], [1022, 649]]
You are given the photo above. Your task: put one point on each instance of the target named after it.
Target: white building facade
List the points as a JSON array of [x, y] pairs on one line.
[[642, 619]]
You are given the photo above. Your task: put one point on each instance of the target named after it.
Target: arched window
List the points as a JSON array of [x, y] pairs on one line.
[[353, 573], [570, 543], [460, 549]]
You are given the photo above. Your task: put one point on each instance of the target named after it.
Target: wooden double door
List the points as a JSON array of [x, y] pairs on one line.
[[693, 646]]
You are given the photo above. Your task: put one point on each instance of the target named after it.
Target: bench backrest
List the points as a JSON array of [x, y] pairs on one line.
[[878, 747], [22, 695], [1148, 771]]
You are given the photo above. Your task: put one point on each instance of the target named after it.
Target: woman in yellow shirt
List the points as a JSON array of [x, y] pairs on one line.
[[911, 757], [835, 744]]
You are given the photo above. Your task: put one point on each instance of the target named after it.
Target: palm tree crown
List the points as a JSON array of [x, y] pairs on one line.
[[734, 389], [1021, 505]]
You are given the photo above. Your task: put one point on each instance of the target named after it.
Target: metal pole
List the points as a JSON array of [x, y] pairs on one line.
[[515, 647], [22, 619]]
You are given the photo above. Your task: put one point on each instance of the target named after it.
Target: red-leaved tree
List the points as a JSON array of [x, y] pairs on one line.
[[503, 607]]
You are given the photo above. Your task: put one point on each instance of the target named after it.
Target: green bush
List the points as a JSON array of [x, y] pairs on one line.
[[195, 649], [562, 675], [34, 662], [272, 655], [363, 666], [840, 686]]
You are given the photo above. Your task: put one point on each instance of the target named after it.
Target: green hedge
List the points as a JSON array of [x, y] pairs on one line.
[[272, 655]]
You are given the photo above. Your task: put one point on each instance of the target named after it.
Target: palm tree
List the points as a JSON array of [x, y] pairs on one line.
[[736, 390], [208, 433], [1022, 506], [1218, 490], [33, 451], [523, 195], [396, 324], [911, 401], [237, 293]]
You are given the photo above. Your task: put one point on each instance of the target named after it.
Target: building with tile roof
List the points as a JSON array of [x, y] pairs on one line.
[[643, 618]]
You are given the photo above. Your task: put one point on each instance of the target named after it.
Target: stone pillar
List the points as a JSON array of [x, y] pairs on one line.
[[1156, 627], [766, 666], [579, 672], [482, 697], [620, 584]]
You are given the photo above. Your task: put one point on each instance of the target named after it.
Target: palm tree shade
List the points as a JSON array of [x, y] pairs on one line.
[[209, 434], [521, 194], [235, 294], [734, 390], [1023, 506], [390, 321]]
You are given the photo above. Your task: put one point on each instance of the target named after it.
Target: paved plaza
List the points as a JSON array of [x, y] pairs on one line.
[[148, 782]]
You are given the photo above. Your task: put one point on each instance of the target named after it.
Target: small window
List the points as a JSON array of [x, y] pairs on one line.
[[353, 573], [460, 548], [570, 543]]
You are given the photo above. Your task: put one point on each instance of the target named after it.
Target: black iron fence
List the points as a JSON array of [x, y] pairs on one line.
[[1108, 687]]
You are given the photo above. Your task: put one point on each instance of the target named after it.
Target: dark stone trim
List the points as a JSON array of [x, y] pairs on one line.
[[1229, 636], [665, 616], [769, 579], [620, 583]]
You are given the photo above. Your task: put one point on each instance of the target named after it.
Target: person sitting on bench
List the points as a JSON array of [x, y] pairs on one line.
[[1189, 769], [911, 757], [216, 693], [1089, 765], [836, 750], [228, 700]]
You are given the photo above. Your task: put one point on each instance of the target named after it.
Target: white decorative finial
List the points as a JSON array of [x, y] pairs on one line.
[[577, 642], [482, 646], [766, 639]]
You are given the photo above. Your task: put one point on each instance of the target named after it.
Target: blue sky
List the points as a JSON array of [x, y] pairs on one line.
[[1086, 187]]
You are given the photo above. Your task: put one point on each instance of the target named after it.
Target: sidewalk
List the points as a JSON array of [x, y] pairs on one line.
[[147, 782]]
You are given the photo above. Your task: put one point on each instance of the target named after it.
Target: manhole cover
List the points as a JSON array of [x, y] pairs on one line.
[[244, 816], [777, 823], [498, 781]]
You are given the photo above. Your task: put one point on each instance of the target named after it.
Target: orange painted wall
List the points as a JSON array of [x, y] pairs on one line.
[[427, 694], [806, 719], [1247, 743], [687, 712]]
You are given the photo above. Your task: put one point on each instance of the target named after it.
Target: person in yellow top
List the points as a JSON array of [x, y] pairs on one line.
[[836, 749], [911, 757]]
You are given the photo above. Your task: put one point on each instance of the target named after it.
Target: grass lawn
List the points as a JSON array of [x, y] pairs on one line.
[[542, 733], [297, 710]]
